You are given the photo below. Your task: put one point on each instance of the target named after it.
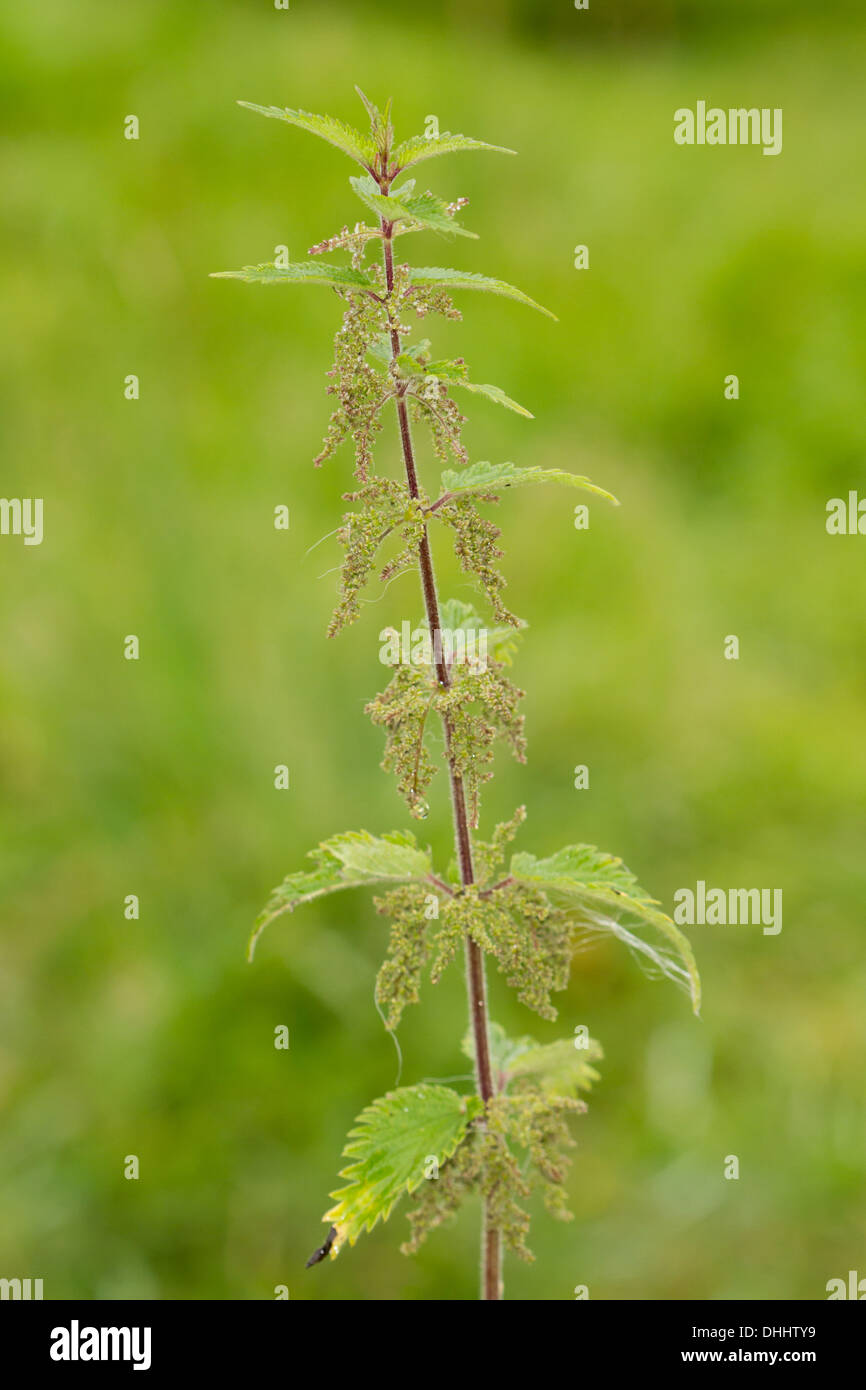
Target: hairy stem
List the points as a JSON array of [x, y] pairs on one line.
[[476, 985]]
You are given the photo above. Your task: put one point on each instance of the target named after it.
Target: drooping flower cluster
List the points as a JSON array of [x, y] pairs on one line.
[[486, 1162], [530, 939], [431, 405], [478, 708], [475, 544], [399, 980], [386, 507], [357, 385]]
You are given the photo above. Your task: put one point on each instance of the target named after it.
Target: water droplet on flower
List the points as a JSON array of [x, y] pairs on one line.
[[419, 809]]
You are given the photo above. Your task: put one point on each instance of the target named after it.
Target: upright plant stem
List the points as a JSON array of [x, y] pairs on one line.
[[476, 985]]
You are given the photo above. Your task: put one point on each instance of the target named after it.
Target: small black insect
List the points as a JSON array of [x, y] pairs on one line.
[[323, 1250]]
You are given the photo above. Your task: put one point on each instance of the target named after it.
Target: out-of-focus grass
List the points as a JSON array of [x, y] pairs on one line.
[[155, 778]]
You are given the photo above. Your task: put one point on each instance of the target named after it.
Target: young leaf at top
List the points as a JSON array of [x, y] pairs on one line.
[[496, 477], [391, 1146], [357, 146], [381, 130], [468, 280], [419, 147], [311, 272], [601, 890], [346, 861]]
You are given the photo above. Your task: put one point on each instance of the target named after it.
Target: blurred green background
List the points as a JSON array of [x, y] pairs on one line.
[[156, 777]]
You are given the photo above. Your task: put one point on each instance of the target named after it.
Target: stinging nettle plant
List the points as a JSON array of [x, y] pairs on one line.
[[511, 1134]]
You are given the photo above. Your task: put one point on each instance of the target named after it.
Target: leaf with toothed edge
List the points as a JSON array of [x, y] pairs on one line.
[[346, 861], [559, 1068], [606, 897], [419, 147], [357, 146], [455, 374], [426, 211], [469, 280], [390, 1148], [298, 273]]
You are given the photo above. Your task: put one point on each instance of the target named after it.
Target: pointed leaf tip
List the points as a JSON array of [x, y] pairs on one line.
[[344, 137], [420, 147], [390, 1146], [606, 897], [495, 477], [470, 280]]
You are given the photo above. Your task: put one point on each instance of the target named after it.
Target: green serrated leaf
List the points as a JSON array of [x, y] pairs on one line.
[[561, 1068], [425, 210], [371, 108], [390, 1147], [467, 280], [496, 477], [349, 860], [352, 142], [494, 393], [429, 211], [419, 147], [420, 350], [455, 374], [311, 272], [407, 364], [447, 370], [605, 895], [380, 121]]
